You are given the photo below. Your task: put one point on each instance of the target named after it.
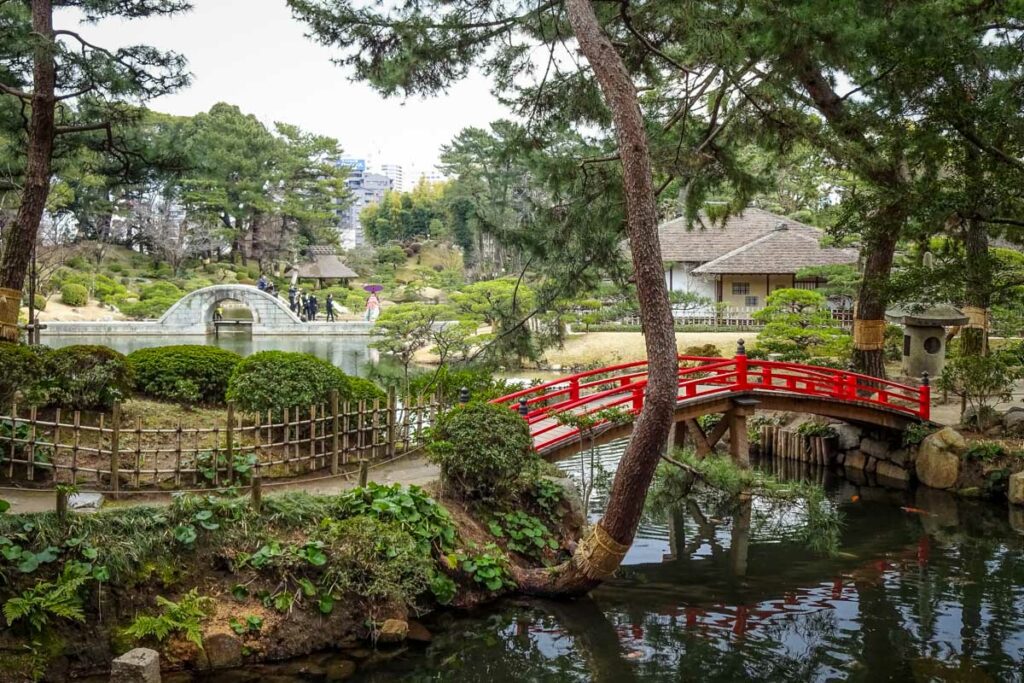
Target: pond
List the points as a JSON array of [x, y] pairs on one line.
[[350, 353], [925, 587]]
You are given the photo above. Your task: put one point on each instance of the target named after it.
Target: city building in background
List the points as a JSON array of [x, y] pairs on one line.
[[367, 188], [396, 174]]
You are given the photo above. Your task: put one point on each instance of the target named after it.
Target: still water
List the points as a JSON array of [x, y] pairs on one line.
[[351, 354], [926, 588]]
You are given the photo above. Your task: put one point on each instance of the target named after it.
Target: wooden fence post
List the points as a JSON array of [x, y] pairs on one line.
[[334, 431], [229, 442], [392, 416], [115, 444]]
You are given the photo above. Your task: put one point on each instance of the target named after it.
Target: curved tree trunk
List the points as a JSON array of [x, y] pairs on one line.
[[873, 297], [18, 242], [601, 551]]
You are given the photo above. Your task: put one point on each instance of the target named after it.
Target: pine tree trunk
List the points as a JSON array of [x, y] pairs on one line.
[[872, 299], [601, 551], [978, 292], [17, 247]]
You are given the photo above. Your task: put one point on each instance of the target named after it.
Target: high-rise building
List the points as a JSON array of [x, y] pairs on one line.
[[366, 188], [397, 175]]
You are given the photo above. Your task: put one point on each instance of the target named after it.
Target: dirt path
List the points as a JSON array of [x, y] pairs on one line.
[[412, 469]]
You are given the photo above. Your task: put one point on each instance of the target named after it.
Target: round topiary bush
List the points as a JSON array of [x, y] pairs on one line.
[[484, 450], [73, 294], [86, 377], [186, 373], [22, 370], [274, 380]]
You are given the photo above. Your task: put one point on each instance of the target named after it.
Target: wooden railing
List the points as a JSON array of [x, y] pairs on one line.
[[111, 452]]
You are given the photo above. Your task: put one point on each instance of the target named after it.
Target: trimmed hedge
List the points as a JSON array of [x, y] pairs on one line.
[[274, 380], [86, 377], [484, 450], [185, 373], [74, 295]]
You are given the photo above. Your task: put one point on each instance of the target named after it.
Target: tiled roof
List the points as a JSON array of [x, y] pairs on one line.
[[780, 251], [327, 266], [755, 241]]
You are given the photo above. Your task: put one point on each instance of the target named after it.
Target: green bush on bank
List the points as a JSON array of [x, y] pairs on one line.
[[484, 450], [74, 295], [22, 368], [185, 373], [85, 377], [274, 380]]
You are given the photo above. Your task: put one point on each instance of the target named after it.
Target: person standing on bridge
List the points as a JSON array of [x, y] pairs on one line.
[[329, 305], [312, 307], [261, 284], [291, 298]]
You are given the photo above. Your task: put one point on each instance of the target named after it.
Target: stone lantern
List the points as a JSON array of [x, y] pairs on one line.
[[924, 336]]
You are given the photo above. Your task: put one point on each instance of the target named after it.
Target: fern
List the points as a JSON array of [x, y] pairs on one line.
[[61, 599], [185, 617]]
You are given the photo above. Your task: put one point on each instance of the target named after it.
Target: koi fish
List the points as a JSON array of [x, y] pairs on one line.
[[916, 511]]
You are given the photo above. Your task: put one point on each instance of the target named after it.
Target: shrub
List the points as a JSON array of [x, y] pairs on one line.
[[150, 308], [85, 377], [484, 450], [72, 294], [982, 381], [159, 290], [359, 389], [703, 351], [107, 289], [186, 373], [482, 385], [21, 371], [273, 380]]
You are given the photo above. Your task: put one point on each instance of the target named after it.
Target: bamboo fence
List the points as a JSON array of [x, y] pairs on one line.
[[107, 452]]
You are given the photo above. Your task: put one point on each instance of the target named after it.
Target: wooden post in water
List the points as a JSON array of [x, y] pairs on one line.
[[115, 445]]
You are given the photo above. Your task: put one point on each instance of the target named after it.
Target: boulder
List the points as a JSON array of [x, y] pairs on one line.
[[874, 447], [1017, 519], [938, 458], [576, 516], [849, 436], [393, 631], [223, 650], [1013, 421], [1015, 488], [85, 501], [898, 457], [888, 470], [855, 460], [871, 465], [418, 633], [140, 665]]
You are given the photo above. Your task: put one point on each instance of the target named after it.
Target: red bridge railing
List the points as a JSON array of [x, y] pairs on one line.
[[622, 387]]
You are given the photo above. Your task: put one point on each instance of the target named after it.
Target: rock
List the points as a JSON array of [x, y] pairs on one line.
[[140, 665], [938, 459], [849, 436], [418, 633], [341, 670], [899, 457], [970, 492], [85, 501], [840, 458], [1015, 488], [888, 470], [223, 650], [855, 460], [1014, 420], [874, 447], [1017, 519], [576, 516], [393, 631], [871, 465]]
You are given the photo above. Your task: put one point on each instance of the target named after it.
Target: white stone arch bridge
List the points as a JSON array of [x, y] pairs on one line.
[[194, 312]]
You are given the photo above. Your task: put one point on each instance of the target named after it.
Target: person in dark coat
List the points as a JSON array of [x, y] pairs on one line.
[[292, 304], [312, 307], [329, 305]]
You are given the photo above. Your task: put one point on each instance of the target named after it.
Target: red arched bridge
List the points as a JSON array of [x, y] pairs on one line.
[[602, 401]]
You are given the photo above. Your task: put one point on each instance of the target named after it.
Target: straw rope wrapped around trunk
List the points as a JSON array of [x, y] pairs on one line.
[[10, 305], [868, 335]]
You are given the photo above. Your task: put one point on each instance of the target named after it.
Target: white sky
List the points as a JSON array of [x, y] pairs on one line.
[[253, 54]]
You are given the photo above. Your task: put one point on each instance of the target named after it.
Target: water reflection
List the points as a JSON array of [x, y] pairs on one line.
[[927, 587], [350, 353]]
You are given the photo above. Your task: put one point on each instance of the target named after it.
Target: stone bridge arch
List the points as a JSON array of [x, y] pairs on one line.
[[194, 311]]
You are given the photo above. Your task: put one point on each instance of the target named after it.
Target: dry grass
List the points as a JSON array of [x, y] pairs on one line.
[[622, 347], [56, 311]]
